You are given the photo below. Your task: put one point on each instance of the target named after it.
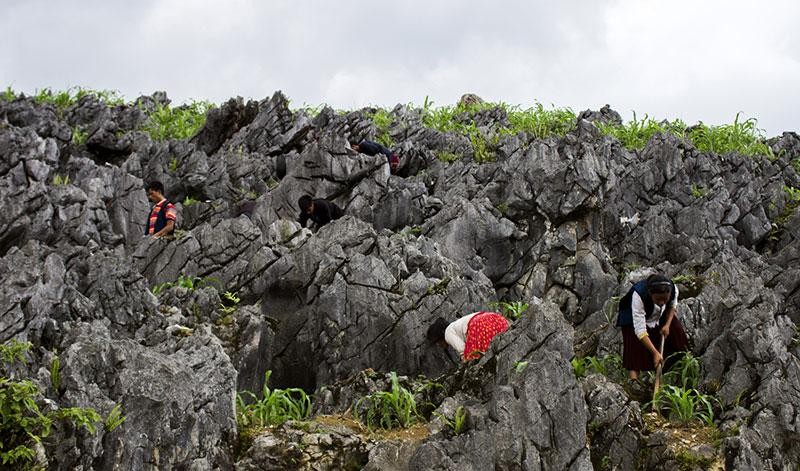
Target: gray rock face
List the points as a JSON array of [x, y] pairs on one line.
[[535, 412], [561, 223]]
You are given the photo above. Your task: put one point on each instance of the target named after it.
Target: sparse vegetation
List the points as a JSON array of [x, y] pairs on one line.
[[55, 373], [180, 122], [684, 405], [61, 100], [188, 201], [383, 121], [698, 191], [511, 310], [183, 281], [743, 137], [388, 409], [22, 422], [448, 157], [610, 366], [79, 136], [459, 421], [59, 180], [114, 418], [275, 407]]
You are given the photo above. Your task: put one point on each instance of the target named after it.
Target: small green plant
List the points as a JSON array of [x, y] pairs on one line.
[[275, 407], [55, 373], [173, 165], [699, 191], [59, 180], [188, 201], [610, 366], [511, 310], [14, 350], [229, 303], [637, 133], [383, 121], [743, 137], [181, 122], [388, 409], [22, 423], [684, 405], [439, 287], [79, 136], [448, 157], [459, 421], [114, 418], [188, 282], [685, 372], [519, 366], [8, 94]]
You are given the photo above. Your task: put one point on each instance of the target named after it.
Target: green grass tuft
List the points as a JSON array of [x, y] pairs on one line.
[[388, 409], [181, 122]]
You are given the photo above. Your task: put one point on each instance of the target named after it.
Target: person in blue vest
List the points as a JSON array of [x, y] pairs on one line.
[[163, 217], [646, 313], [373, 148]]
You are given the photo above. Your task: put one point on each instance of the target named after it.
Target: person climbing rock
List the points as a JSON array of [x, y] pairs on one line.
[[470, 335], [163, 216], [646, 313], [319, 210], [373, 148]]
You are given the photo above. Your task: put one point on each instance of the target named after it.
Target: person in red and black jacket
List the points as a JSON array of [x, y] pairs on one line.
[[163, 216]]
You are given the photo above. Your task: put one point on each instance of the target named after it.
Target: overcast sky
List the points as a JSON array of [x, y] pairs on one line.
[[696, 60]]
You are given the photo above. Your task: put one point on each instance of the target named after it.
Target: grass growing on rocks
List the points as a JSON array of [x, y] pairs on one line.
[[610, 366], [388, 409], [275, 407], [743, 136], [180, 122]]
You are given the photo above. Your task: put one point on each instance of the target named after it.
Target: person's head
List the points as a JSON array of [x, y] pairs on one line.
[[660, 288], [436, 332], [394, 162], [354, 146], [306, 204], [155, 191]]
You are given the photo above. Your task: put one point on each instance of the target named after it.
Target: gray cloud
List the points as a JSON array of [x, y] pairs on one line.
[[694, 60]]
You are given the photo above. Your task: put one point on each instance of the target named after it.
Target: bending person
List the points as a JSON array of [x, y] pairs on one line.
[[470, 335], [646, 313]]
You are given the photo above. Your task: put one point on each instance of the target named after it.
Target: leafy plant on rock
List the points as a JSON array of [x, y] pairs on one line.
[[180, 122], [22, 423], [459, 421], [511, 310], [275, 406], [684, 405], [388, 409], [610, 366]]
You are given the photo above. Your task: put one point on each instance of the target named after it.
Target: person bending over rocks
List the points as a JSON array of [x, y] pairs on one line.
[[320, 211], [163, 216], [373, 148], [646, 313], [469, 336]]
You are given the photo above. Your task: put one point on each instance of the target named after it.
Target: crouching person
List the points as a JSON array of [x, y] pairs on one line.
[[320, 211], [470, 335]]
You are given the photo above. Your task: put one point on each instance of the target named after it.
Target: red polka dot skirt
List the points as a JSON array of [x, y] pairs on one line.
[[481, 329]]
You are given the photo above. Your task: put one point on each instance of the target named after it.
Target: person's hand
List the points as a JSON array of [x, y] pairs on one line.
[[665, 330], [657, 358]]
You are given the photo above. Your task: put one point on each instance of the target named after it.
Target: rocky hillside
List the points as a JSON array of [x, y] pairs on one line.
[[168, 331]]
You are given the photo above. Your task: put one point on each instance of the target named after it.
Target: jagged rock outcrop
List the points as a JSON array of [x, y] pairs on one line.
[[563, 223]]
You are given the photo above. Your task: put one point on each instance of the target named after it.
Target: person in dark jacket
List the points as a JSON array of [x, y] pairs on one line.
[[319, 210], [163, 217], [646, 313], [373, 148]]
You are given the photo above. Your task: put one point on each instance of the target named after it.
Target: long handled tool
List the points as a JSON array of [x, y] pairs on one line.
[[658, 371]]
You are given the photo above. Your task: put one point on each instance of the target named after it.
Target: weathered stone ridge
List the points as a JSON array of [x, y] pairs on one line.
[[564, 223]]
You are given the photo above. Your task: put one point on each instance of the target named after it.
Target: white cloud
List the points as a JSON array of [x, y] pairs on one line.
[[696, 60]]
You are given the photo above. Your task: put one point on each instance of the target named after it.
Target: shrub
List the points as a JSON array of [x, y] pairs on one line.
[[181, 122], [275, 407], [388, 409], [383, 121], [22, 423], [684, 405]]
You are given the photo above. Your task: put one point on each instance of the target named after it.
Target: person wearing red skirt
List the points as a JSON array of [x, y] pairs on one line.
[[470, 335], [646, 313]]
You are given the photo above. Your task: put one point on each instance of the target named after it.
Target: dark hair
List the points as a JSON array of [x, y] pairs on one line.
[[658, 284], [436, 330], [304, 202], [156, 185]]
